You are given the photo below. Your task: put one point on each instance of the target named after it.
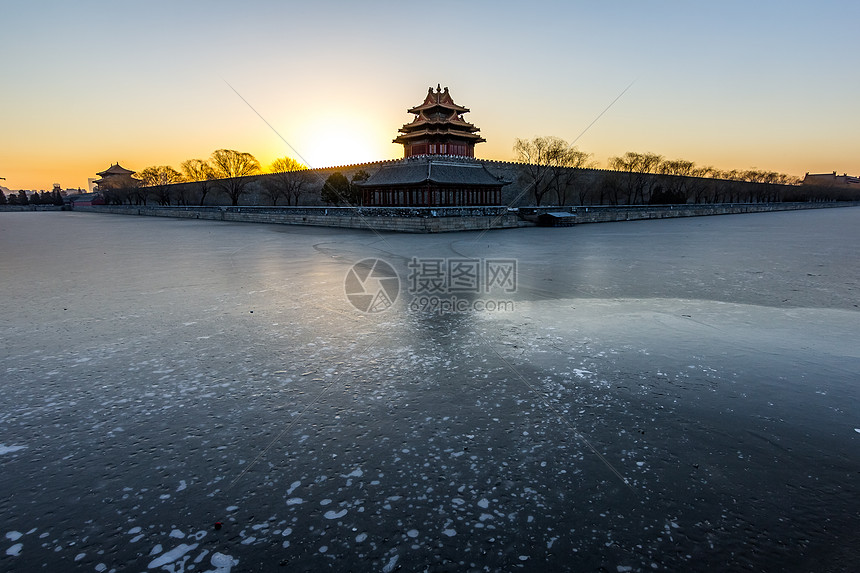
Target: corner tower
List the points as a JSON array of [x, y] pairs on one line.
[[439, 128], [115, 177]]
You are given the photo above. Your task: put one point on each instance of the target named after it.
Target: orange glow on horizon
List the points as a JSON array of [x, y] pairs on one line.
[[330, 141]]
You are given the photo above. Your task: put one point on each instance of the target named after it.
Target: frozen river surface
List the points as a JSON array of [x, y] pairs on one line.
[[659, 395]]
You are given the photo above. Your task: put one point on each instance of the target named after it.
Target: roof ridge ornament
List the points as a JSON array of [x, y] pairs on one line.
[[439, 127]]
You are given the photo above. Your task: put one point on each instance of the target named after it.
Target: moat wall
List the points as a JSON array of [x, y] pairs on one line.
[[446, 219], [32, 208], [607, 214], [401, 219]]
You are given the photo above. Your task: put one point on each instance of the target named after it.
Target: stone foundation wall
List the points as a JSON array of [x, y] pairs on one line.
[[408, 220], [32, 208], [606, 213], [445, 219]]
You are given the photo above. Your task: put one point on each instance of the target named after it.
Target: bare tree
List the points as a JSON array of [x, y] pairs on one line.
[[548, 164], [287, 179], [704, 186], [285, 165], [565, 170], [535, 171], [676, 179], [158, 179], [199, 171], [637, 169], [233, 170]]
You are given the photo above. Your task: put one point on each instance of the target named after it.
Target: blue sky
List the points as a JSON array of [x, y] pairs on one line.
[[738, 85]]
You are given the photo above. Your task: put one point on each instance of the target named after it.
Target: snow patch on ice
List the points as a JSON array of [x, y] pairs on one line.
[[172, 555], [222, 563], [389, 567], [10, 449], [15, 550]]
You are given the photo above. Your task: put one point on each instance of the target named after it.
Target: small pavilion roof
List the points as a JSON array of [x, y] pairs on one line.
[[115, 169], [438, 99]]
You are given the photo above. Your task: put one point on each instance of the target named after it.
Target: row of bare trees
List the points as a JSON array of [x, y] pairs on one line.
[[550, 167], [644, 178], [555, 171], [226, 171]]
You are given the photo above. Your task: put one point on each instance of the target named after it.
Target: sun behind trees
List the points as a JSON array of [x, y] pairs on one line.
[[199, 171], [157, 181], [226, 170], [288, 178]]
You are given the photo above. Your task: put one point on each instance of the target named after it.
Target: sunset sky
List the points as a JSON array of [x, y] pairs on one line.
[[733, 84]]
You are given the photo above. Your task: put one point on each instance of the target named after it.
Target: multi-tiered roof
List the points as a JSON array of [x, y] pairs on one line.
[[439, 128], [115, 177], [439, 168]]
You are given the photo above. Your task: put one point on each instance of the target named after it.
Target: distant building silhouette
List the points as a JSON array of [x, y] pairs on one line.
[[843, 181], [112, 181], [114, 177]]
